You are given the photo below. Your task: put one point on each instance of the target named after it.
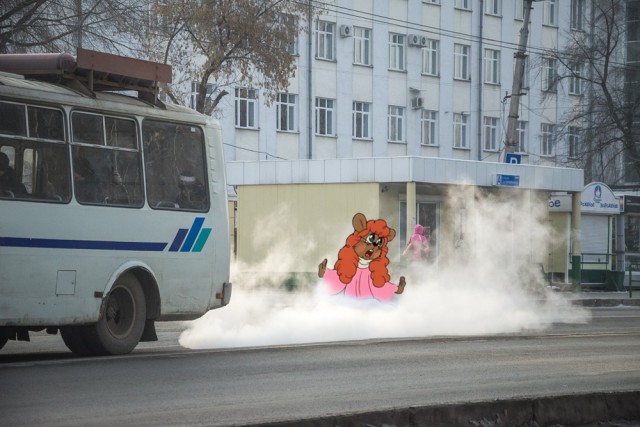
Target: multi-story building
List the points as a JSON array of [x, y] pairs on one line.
[[415, 77]]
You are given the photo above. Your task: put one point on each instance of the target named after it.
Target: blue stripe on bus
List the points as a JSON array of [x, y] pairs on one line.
[[180, 235], [202, 239], [193, 233], [18, 242]]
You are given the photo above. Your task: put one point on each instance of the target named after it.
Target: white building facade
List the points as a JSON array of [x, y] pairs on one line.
[[430, 78]]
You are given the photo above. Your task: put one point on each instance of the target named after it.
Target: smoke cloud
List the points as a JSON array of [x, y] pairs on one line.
[[488, 282]]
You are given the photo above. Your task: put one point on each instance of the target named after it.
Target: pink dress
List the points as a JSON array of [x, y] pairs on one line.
[[360, 287]]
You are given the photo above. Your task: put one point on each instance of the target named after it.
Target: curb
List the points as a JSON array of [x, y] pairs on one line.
[[613, 302], [572, 410]]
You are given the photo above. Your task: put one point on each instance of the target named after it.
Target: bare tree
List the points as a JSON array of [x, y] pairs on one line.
[[225, 43], [62, 25], [594, 64]]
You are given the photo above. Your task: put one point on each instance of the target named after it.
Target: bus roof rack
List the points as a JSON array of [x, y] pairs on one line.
[[91, 71]]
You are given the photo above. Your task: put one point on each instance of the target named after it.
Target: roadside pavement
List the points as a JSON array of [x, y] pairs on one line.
[[604, 299]]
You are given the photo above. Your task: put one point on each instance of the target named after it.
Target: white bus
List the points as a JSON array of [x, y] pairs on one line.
[[113, 207]]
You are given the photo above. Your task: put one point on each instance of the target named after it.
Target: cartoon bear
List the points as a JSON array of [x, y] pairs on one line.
[[361, 269]]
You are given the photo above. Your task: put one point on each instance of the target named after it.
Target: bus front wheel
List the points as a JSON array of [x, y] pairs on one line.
[[120, 327], [4, 337]]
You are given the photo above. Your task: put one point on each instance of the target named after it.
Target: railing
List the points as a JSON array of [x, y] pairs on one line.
[[633, 267]]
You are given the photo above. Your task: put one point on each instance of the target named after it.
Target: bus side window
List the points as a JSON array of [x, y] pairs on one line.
[[13, 120], [175, 166], [10, 183]]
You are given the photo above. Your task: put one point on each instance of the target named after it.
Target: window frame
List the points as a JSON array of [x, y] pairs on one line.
[[431, 58], [462, 4], [490, 126], [547, 133], [248, 104], [325, 116], [288, 102], [428, 127], [361, 114], [492, 66], [325, 40], [397, 52], [576, 84], [550, 13], [460, 130], [461, 55], [395, 124], [574, 141], [521, 132], [362, 46], [549, 74], [577, 21], [493, 7]]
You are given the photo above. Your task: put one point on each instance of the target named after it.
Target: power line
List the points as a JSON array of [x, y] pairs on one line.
[[255, 151], [370, 16]]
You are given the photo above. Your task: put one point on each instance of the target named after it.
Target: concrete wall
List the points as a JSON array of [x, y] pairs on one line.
[[300, 223]]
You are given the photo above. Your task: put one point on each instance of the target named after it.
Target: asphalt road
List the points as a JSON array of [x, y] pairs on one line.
[[161, 383]]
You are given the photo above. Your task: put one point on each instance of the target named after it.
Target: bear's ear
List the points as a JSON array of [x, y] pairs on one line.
[[359, 222], [392, 234]]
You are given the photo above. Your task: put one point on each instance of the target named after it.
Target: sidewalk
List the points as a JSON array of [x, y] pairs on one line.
[[604, 299]]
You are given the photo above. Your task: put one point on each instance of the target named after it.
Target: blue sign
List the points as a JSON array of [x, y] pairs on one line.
[[508, 180], [514, 159]]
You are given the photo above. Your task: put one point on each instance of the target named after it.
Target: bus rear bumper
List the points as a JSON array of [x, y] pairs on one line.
[[225, 295]]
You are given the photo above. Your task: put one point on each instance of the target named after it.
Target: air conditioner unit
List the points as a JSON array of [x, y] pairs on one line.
[[424, 41], [414, 40], [346, 30], [417, 102]]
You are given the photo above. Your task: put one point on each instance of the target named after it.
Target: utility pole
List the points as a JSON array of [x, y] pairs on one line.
[[511, 142]]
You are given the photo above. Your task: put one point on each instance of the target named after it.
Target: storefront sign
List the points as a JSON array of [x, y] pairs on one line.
[[561, 203], [631, 204], [507, 180], [598, 198]]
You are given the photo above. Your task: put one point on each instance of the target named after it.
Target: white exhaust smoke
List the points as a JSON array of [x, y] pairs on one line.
[[489, 282]]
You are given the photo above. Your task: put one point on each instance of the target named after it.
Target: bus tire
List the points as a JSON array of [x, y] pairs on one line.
[[4, 337], [119, 329], [74, 339]]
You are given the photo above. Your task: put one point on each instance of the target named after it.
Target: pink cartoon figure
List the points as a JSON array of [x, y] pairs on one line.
[[361, 269], [418, 247]]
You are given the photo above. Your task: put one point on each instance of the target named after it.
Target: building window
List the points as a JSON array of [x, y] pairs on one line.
[[361, 46], [574, 141], [461, 61], [575, 80], [493, 7], [361, 120], [289, 21], [429, 127], [492, 66], [521, 132], [325, 39], [432, 1], [519, 9], [460, 122], [549, 74], [463, 4], [396, 51], [195, 93], [550, 12], [286, 112], [577, 15], [396, 122], [325, 113], [546, 139], [430, 55], [246, 108], [490, 133]]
